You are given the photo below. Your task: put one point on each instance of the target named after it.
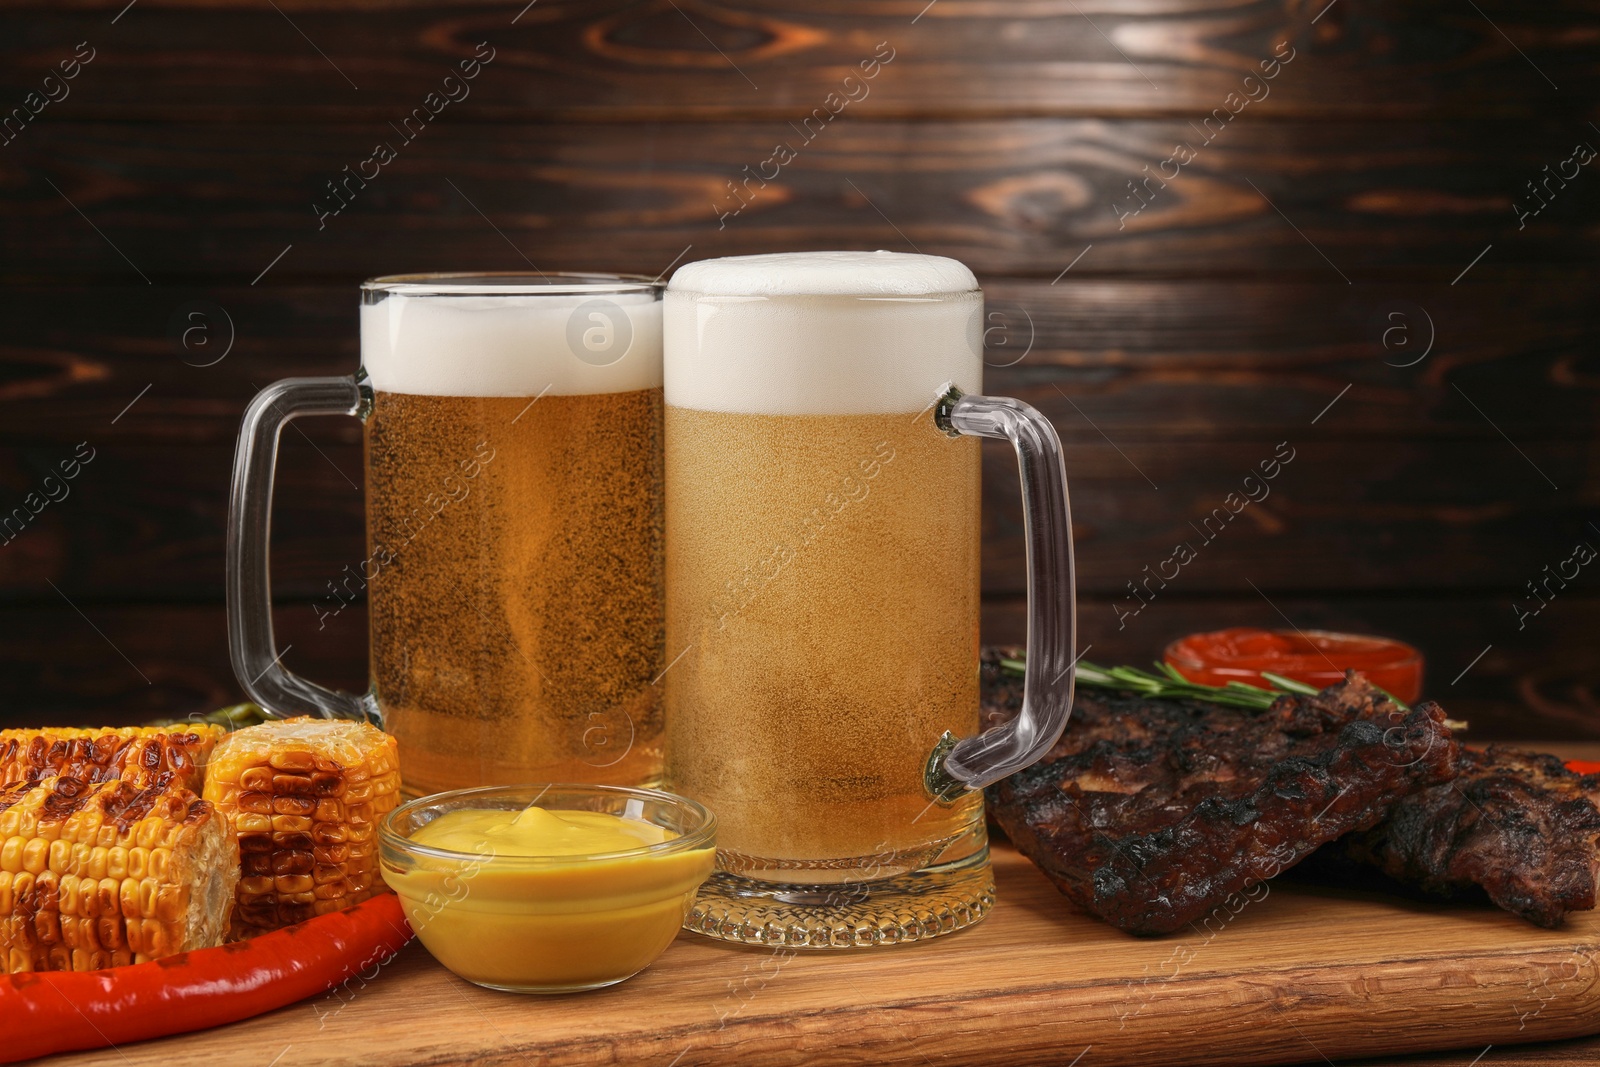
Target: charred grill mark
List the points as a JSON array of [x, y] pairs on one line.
[[13, 795], [68, 795], [198, 813], [149, 757], [126, 805], [1517, 827], [1152, 813]]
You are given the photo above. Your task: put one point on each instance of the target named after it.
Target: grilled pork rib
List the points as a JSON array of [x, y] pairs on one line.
[[1517, 825], [1151, 813]]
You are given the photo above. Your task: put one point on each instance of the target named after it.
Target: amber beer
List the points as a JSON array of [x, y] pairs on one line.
[[821, 659], [514, 533], [822, 559]]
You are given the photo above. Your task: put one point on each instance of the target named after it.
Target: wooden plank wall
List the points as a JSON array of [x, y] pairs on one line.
[[1349, 258]]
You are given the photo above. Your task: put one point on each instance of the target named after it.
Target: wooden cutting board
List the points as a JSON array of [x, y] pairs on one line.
[[1301, 975]]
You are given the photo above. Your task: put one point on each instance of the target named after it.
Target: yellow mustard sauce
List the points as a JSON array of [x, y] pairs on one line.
[[547, 900], [533, 831]]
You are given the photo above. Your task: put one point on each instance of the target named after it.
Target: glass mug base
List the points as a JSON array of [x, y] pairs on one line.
[[850, 873], [915, 906]]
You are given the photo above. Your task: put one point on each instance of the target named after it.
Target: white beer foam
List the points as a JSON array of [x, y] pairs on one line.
[[825, 274], [821, 333], [512, 345]]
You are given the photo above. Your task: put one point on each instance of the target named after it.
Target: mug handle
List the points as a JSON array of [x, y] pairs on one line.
[[971, 763], [257, 663]]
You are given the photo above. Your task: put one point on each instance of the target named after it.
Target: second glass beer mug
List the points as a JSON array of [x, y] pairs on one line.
[[822, 592], [514, 529]]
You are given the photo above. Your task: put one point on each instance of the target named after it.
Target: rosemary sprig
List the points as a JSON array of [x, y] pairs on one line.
[[1168, 684]]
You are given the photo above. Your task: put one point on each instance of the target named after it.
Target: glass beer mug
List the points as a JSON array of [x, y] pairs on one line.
[[513, 573], [822, 592]]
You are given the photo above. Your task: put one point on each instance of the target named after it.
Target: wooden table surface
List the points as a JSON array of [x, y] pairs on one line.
[[1305, 974], [1584, 1052]]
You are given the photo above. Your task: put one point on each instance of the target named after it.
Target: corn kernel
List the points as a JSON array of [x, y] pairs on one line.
[[256, 779], [138, 862], [108, 931], [256, 886], [171, 902], [47, 928], [292, 760], [105, 896], [36, 856], [326, 782], [304, 807], [333, 855], [256, 840], [327, 874], [149, 833], [22, 888], [256, 803]]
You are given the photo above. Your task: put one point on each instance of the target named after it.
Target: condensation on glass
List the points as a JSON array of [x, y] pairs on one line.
[[513, 568], [823, 557]]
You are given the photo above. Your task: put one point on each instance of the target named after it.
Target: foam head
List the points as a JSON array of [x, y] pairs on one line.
[[821, 333], [504, 336]]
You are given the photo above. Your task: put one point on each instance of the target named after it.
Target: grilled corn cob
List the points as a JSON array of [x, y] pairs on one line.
[[101, 755], [304, 797], [97, 875]]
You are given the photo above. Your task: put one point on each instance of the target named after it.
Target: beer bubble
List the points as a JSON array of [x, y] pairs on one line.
[[516, 636]]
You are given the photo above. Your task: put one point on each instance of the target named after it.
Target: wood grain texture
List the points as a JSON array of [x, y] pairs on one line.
[[1147, 360], [1325, 201], [126, 663], [82, 663], [1404, 512], [150, 521], [1579, 1053], [699, 59], [1302, 971], [1341, 516]]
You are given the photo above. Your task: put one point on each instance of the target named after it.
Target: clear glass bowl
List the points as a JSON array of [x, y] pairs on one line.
[[549, 924]]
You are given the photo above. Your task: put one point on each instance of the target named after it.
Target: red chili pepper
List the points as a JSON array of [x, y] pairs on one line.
[[62, 1011], [1580, 766]]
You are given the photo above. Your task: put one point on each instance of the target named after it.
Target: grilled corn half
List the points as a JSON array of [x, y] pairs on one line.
[[304, 797], [101, 755], [99, 874]]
